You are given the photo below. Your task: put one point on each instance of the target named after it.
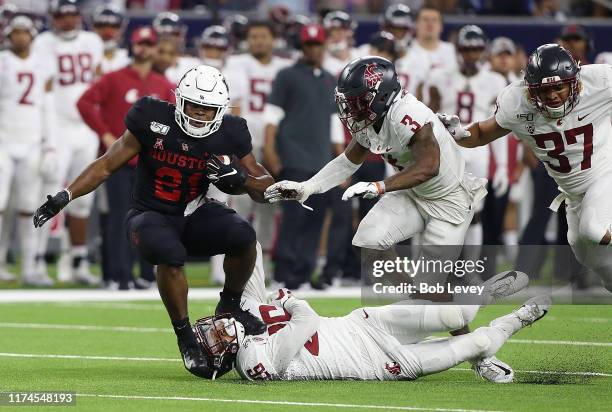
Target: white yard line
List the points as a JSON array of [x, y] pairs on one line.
[[148, 359], [129, 329], [279, 403]]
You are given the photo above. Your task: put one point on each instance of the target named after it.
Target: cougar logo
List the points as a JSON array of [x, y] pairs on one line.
[[372, 75], [393, 367]]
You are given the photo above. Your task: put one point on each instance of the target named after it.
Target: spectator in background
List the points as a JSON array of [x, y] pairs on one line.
[[103, 107], [577, 41], [167, 53], [213, 47], [298, 143], [397, 20], [170, 26], [503, 58], [109, 23]]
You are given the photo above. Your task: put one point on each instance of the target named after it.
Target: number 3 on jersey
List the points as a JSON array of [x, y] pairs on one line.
[[276, 317], [571, 137]]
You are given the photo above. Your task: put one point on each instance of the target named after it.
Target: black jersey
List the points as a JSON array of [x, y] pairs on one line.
[[171, 165]]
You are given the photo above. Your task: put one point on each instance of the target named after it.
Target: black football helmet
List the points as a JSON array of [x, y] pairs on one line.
[[170, 24], [384, 41], [549, 65], [109, 23], [237, 26], [339, 19], [60, 7], [397, 15], [366, 89], [471, 37], [220, 337], [214, 36]]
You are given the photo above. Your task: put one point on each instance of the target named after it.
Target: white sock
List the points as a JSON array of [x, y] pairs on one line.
[[28, 239], [510, 237], [78, 251]]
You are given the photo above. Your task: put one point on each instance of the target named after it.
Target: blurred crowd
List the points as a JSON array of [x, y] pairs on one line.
[[280, 70]]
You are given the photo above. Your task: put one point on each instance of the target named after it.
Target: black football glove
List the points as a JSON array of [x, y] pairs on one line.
[[51, 207], [225, 174]]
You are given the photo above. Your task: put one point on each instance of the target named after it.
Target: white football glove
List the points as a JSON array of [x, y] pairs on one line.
[[287, 190], [453, 125], [366, 190], [48, 165], [281, 297], [500, 182]]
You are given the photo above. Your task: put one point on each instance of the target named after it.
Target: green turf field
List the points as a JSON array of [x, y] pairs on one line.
[[129, 361]]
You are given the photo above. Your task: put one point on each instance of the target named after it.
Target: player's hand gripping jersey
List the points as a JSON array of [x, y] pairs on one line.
[[575, 148]]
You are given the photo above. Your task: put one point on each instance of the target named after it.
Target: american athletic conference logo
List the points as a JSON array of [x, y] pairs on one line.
[[372, 75]]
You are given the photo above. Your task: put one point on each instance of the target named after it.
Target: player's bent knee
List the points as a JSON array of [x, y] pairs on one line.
[[372, 236], [452, 317], [591, 227], [241, 236]]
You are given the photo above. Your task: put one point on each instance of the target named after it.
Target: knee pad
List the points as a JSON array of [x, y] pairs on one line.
[[452, 317], [372, 236], [81, 207], [240, 236]]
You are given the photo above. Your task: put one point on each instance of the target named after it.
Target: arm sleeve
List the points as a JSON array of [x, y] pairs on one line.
[[337, 130], [89, 105], [332, 174], [137, 120], [288, 341]]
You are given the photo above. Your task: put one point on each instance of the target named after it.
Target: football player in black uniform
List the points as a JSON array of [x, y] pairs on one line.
[[181, 150]]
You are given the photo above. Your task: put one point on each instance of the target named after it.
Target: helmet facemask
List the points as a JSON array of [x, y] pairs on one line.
[[355, 112], [566, 107], [197, 127], [220, 337]]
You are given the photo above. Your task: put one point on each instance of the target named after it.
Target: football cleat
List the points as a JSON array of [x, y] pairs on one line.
[[6, 276], [81, 273], [37, 280], [493, 370], [195, 360], [532, 310], [504, 284], [252, 324]]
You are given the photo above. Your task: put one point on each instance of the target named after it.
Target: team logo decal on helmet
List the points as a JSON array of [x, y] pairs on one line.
[[372, 75]]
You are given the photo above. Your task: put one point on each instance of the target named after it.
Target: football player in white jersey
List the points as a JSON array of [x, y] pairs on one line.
[[431, 195], [213, 46], [168, 24], [340, 28], [397, 20], [250, 75], [371, 343], [75, 56], [469, 91], [27, 137], [109, 23], [562, 111]]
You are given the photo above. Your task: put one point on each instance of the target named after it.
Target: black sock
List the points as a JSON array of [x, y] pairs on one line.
[[183, 331], [229, 298]]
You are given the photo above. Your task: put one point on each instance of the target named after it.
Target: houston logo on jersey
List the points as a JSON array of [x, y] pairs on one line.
[[372, 75]]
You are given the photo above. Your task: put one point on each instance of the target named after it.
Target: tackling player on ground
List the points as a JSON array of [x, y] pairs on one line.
[[177, 147], [562, 111]]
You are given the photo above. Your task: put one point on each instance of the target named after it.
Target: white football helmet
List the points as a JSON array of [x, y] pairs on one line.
[[204, 86]]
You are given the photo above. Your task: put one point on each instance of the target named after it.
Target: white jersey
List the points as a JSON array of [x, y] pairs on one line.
[[301, 345], [405, 117], [335, 65], [183, 64], [471, 98], [412, 70], [119, 60], [250, 84], [74, 63], [444, 56], [604, 58], [22, 90], [576, 149]]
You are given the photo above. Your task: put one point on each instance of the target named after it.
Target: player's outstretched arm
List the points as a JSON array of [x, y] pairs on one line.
[[258, 178], [333, 174], [426, 153], [97, 172], [476, 134]]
